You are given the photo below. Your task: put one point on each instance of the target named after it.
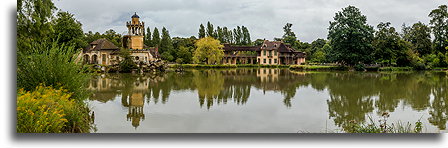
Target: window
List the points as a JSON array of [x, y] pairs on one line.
[[264, 61], [275, 45], [275, 53], [269, 61], [137, 58], [103, 58], [270, 53], [275, 61], [264, 52]]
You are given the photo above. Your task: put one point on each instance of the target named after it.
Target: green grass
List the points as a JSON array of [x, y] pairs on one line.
[[228, 66], [383, 127], [395, 69]]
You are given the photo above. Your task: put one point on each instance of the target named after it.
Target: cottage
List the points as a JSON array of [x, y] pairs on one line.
[[269, 53], [106, 53]]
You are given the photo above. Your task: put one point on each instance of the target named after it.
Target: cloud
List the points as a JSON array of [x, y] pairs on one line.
[[264, 18]]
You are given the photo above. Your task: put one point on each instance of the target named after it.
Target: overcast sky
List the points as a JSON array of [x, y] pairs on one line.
[[264, 18]]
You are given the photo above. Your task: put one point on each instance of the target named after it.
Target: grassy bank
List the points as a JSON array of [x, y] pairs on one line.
[[227, 66], [317, 68]]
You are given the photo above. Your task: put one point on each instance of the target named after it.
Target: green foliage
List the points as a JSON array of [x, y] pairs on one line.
[[439, 26], [49, 110], [156, 37], [386, 43], [110, 35], [210, 30], [52, 65], [34, 22], [148, 40], [420, 36], [185, 55], [208, 50], [127, 64], [68, 30], [384, 127], [166, 46], [289, 37], [201, 33], [351, 37]]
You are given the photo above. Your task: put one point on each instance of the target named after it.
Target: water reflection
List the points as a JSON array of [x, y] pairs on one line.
[[351, 95]]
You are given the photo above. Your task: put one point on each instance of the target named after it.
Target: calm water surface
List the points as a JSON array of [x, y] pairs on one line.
[[265, 100]]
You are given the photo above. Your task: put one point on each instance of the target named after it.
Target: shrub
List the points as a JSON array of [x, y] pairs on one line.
[[49, 110], [127, 64], [316, 68], [384, 127], [53, 65]]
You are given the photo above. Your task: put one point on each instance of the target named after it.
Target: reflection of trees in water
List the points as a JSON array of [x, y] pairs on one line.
[[439, 106], [352, 94]]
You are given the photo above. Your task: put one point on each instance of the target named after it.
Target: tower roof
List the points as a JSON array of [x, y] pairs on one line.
[[135, 15]]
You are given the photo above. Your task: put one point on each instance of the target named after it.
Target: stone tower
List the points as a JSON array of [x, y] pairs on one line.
[[136, 31]]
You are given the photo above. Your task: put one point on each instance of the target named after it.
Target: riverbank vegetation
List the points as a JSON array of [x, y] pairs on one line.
[[384, 127], [50, 79]]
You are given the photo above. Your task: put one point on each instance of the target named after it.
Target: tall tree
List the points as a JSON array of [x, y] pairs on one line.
[[68, 30], [246, 34], [439, 25], [148, 39], [289, 37], [386, 43], [210, 30], [351, 37], [34, 22], [201, 33], [208, 50], [219, 34], [166, 46], [156, 37], [420, 36]]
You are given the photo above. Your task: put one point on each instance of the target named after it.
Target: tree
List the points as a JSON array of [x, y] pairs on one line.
[[184, 55], [67, 30], [112, 36], [386, 43], [289, 37], [34, 22], [210, 30], [246, 36], [156, 37], [148, 40], [439, 26], [420, 36], [208, 50], [201, 31], [351, 37], [166, 46]]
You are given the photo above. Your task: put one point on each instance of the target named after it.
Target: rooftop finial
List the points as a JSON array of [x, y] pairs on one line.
[[135, 15]]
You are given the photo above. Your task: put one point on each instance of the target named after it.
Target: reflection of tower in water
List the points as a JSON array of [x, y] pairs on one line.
[[135, 109]]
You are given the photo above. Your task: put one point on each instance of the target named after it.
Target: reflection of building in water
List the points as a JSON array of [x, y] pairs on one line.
[[133, 89], [135, 109], [268, 75]]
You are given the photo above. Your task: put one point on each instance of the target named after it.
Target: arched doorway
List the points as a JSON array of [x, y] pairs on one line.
[[94, 59], [86, 59]]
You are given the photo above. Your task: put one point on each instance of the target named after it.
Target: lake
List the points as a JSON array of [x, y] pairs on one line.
[[265, 100]]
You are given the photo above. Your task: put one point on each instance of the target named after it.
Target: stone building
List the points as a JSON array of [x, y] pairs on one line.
[[269, 53], [106, 53]]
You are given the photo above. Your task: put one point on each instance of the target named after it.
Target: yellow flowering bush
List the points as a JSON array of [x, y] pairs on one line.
[[42, 110]]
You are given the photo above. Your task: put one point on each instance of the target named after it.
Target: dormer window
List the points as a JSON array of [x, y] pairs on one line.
[[93, 46], [264, 45], [275, 45]]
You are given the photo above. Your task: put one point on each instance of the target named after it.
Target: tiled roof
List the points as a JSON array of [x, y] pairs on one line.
[[228, 47], [101, 44]]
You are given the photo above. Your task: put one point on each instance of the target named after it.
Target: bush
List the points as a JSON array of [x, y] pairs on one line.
[[48, 110], [53, 65], [127, 64], [384, 127], [360, 67]]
